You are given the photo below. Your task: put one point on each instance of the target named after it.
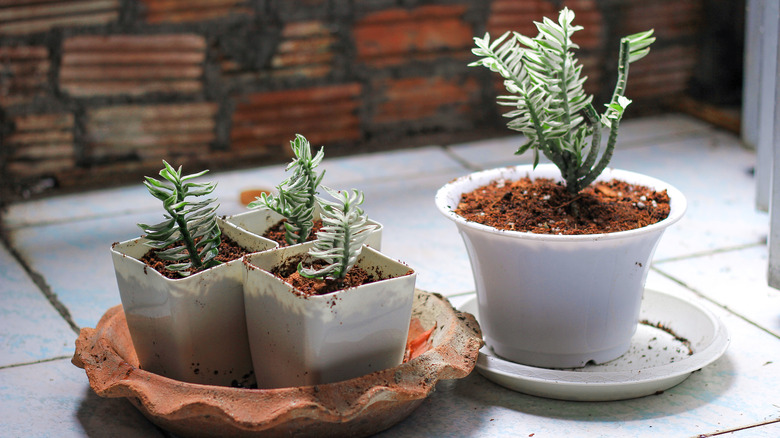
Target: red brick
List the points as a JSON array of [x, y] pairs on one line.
[[662, 74], [331, 93], [132, 64], [419, 98], [35, 122], [306, 50], [166, 43], [150, 131], [670, 18], [179, 11], [399, 35], [41, 144], [147, 58], [511, 15], [25, 71], [268, 121], [297, 112], [659, 86], [18, 18]]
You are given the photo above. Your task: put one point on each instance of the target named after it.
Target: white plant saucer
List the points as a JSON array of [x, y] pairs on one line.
[[657, 360]]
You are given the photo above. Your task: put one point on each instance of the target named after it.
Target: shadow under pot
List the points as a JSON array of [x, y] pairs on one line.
[[190, 329], [300, 340], [259, 220], [557, 301]]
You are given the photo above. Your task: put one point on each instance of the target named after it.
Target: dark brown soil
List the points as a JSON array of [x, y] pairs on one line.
[[309, 286], [276, 232], [229, 250], [544, 206]]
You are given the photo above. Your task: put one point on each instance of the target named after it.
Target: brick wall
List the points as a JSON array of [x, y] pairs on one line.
[[99, 91]]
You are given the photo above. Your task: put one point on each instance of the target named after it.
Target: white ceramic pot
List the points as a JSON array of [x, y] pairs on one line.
[[190, 329], [301, 340], [257, 221], [557, 301]]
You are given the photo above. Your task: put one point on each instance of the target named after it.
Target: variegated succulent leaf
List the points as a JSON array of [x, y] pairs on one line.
[[340, 240], [191, 225], [296, 195], [552, 110]]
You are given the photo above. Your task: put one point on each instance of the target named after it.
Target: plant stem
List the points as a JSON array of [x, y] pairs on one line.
[[345, 250], [185, 232], [620, 88], [595, 143]]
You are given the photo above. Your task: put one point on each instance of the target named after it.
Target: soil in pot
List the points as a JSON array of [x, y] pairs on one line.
[[229, 250], [288, 272], [277, 232], [544, 206]]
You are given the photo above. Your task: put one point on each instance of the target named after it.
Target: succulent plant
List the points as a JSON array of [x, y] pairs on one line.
[[191, 226], [296, 196], [341, 238], [552, 109]]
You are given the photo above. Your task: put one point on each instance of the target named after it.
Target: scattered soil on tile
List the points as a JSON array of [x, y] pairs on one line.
[[229, 250], [544, 206], [277, 232], [676, 337]]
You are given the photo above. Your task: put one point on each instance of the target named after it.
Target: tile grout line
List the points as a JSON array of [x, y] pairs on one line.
[[738, 429], [762, 242], [95, 216], [701, 295], [460, 160], [16, 365], [44, 287]]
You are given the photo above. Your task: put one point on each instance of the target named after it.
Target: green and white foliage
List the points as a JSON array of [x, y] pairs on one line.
[[190, 225], [297, 194], [551, 107], [341, 238]]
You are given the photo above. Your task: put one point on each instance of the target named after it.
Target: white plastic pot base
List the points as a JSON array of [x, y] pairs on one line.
[[656, 360], [533, 358]]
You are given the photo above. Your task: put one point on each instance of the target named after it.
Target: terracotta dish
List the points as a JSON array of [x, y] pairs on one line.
[[356, 407]]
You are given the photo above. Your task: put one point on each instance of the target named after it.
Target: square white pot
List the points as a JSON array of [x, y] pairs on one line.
[[190, 329], [299, 340]]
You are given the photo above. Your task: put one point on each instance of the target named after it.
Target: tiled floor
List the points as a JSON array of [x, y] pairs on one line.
[[57, 275]]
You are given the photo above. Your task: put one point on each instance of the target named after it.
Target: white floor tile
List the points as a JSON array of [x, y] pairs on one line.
[[417, 234], [66, 239], [340, 173], [54, 399], [75, 260], [735, 279], [30, 327], [713, 174], [728, 393], [485, 154]]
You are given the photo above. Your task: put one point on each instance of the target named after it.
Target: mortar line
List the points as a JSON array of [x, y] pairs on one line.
[[43, 286], [728, 309]]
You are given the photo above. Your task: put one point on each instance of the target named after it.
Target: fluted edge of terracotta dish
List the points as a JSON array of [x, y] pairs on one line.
[[355, 407]]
